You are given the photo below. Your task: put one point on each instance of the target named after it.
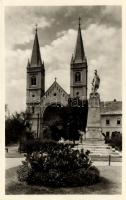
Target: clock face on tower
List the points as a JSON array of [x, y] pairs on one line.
[[34, 97]]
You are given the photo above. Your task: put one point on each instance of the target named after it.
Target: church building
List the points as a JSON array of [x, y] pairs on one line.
[[38, 100]]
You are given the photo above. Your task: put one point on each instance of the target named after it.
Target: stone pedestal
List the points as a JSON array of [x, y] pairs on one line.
[[94, 118]]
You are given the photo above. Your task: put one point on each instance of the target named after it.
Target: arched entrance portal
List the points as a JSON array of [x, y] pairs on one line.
[[66, 122], [53, 122]]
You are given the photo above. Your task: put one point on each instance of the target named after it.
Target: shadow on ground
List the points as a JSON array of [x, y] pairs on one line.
[[109, 184]]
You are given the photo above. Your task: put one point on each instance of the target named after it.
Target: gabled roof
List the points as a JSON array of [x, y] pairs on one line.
[[55, 84], [111, 107]]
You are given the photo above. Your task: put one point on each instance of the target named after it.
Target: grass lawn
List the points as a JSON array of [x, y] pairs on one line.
[[110, 183]]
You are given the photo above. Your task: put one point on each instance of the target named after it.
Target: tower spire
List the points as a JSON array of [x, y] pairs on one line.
[[36, 25], [28, 64], [79, 21], [79, 53], [78, 68], [36, 60]]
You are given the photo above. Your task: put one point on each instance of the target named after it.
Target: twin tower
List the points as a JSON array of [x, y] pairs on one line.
[[36, 74]]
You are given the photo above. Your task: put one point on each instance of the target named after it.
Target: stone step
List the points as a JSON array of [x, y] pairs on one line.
[[95, 143], [100, 157], [99, 151], [105, 158], [105, 153], [92, 142], [94, 146], [93, 139]]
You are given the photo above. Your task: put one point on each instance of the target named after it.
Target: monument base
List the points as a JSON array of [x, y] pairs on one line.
[[94, 118], [94, 133]]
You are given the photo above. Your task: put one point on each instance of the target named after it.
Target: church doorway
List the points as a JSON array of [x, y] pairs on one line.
[[65, 122], [53, 122]]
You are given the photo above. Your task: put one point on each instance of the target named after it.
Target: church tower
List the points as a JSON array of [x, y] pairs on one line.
[[78, 70], [35, 82]]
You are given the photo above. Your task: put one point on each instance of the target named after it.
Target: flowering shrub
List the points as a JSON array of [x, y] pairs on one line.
[[58, 165], [23, 171]]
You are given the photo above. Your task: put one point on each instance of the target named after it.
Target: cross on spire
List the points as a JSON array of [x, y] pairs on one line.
[[36, 25], [79, 21]]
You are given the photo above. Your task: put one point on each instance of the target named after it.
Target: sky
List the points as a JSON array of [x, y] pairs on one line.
[[57, 31]]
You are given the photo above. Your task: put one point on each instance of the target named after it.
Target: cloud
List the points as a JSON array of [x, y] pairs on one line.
[[23, 26], [102, 48], [20, 21], [16, 62], [107, 15], [113, 14], [104, 53]]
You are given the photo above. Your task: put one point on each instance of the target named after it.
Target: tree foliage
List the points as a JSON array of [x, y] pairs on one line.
[[16, 126], [115, 140]]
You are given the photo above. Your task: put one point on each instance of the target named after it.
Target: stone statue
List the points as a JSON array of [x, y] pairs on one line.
[[96, 82]]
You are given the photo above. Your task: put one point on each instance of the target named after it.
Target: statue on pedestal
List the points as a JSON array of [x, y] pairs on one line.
[[94, 115], [95, 82]]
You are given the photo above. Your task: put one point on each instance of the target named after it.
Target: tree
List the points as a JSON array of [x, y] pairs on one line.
[[116, 140], [75, 120], [17, 126]]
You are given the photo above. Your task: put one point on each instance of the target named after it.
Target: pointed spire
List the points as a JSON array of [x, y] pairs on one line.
[[36, 55], [28, 64], [72, 58], [79, 54]]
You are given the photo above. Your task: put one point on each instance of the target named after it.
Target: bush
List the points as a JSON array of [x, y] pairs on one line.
[[116, 140], [23, 171], [45, 146], [58, 165]]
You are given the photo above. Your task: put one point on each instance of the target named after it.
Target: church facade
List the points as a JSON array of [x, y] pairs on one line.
[[38, 100]]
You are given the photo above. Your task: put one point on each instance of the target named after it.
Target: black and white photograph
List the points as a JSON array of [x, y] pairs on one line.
[[63, 99]]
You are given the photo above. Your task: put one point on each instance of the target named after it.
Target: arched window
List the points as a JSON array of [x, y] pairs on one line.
[[77, 77], [33, 80]]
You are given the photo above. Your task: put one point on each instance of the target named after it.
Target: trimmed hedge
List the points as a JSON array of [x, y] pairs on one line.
[[58, 166]]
